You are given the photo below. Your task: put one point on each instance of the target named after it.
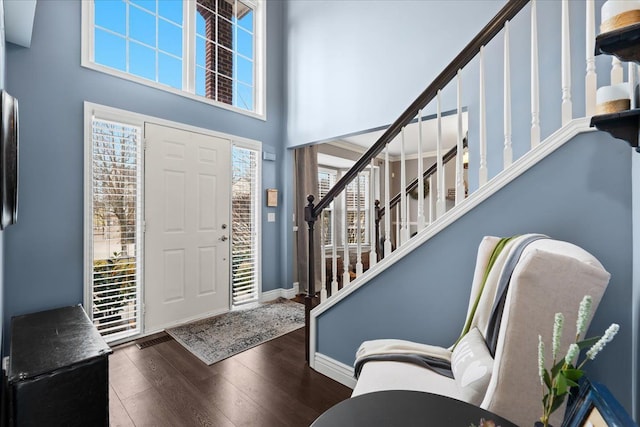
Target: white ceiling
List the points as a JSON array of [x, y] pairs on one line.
[[411, 137]]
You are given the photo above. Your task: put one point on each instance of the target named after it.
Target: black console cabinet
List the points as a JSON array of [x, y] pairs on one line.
[[58, 370]]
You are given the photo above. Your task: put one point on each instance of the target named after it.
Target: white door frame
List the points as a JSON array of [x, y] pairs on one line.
[[116, 114]]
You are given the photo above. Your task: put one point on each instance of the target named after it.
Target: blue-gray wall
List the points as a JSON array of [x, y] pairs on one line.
[[44, 252], [581, 193], [355, 65]]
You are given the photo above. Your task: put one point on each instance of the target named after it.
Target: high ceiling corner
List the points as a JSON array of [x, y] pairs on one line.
[[18, 21]]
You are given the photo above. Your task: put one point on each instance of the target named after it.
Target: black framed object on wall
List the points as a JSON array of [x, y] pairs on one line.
[[9, 137], [595, 406]]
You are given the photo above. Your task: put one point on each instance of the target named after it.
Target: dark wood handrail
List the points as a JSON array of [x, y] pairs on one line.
[[430, 171], [510, 10], [485, 35]]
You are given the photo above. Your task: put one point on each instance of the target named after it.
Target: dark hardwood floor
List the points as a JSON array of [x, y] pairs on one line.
[[268, 385]]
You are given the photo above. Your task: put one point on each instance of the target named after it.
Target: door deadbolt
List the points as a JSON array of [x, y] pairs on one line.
[[223, 226]]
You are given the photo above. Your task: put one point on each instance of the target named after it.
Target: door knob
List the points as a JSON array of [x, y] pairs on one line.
[[224, 238]]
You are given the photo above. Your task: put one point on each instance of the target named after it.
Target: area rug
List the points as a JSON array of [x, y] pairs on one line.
[[219, 337]]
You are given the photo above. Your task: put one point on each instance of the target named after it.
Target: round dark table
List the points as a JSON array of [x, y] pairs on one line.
[[405, 408]]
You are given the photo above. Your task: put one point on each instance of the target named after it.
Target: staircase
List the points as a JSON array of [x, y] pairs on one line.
[[470, 84]]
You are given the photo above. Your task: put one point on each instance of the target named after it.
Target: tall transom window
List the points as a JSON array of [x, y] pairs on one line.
[[208, 49]]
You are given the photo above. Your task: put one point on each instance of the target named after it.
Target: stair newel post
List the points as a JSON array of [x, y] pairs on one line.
[[567, 105], [376, 236], [310, 219], [535, 78], [590, 81], [507, 150]]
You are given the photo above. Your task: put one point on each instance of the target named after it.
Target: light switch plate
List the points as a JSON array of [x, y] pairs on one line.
[[271, 217]]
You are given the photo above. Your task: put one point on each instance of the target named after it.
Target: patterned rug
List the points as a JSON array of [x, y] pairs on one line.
[[219, 337]]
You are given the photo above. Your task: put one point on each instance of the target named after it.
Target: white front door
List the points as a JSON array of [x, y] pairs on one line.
[[187, 186]]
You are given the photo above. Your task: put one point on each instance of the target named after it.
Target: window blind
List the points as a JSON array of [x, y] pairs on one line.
[[116, 228], [244, 236]]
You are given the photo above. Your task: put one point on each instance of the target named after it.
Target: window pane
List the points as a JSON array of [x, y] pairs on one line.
[[142, 61], [201, 22], [244, 97], [147, 4], [245, 16], [225, 33], [169, 70], [116, 170], [225, 90], [142, 26], [171, 9], [169, 37], [245, 43], [244, 70], [200, 51], [205, 83], [111, 15], [110, 50], [225, 62], [200, 81]]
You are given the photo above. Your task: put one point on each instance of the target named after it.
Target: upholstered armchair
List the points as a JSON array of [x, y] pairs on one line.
[[494, 365]]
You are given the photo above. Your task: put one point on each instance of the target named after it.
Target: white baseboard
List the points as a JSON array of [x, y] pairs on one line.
[[279, 293], [335, 370]]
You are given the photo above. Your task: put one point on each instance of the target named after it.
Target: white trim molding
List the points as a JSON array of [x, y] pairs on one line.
[[279, 293], [335, 370], [524, 163]]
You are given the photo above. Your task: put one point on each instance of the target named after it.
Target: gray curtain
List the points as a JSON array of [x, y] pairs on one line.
[[306, 173]]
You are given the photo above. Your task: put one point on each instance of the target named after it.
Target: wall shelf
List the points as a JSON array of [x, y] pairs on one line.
[[623, 43], [623, 125]]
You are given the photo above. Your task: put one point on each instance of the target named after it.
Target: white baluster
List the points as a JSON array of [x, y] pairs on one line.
[[346, 278], [431, 201], [398, 239], [633, 81], [535, 79], [459, 146], [441, 206], [373, 255], [616, 71], [420, 218], [323, 261], [507, 154], [590, 80], [358, 227], [387, 208], [567, 105], [334, 252], [404, 229], [483, 173]]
